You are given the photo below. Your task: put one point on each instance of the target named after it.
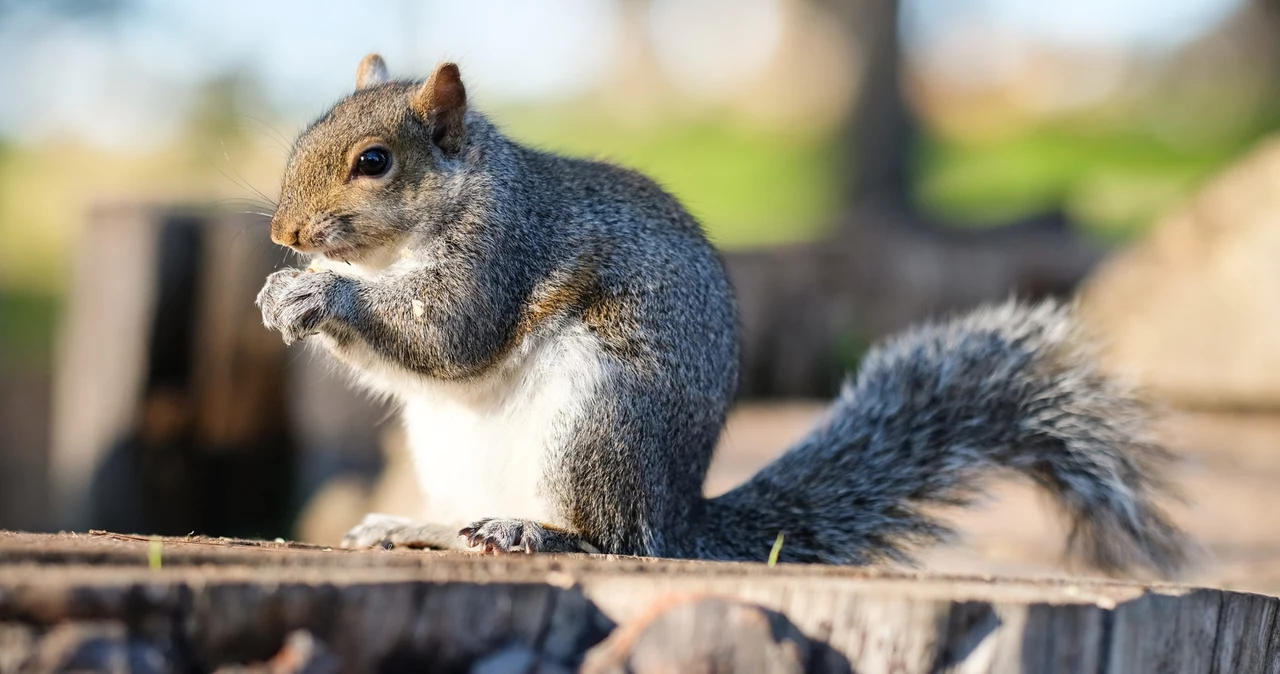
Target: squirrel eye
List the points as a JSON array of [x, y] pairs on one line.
[[372, 163]]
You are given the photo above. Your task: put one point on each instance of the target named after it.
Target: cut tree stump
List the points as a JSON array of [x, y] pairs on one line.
[[167, 386], [202, 604], [174, 409]]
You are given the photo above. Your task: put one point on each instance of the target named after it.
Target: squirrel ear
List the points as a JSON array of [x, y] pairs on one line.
[[372, 72], [442, 104]]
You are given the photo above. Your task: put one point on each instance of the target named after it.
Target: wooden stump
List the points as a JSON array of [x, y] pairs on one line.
[[200, 604], [167, 387], [808, 310], [173, 409]]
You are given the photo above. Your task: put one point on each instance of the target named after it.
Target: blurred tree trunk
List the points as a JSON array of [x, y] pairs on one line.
[[883, 128], [809, 310], [170, 408], [174, 410]]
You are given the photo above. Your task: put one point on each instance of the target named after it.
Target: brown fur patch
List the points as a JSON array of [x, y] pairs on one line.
[[613, 321], [562, 295]]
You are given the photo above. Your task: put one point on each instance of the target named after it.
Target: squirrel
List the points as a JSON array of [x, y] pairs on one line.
[[561, 339]]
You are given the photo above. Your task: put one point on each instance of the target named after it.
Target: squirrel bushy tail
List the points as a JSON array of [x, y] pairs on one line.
[[929, 415]]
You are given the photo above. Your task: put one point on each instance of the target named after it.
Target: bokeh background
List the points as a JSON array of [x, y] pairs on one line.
[[865, 164]]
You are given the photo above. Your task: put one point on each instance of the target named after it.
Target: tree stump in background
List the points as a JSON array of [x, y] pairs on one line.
[[809, 310], [172, 412]]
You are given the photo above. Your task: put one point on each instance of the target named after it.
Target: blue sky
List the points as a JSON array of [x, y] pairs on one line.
[[131, 82], [1145, 24]]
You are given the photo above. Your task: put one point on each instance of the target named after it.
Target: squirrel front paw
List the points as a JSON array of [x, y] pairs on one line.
[[297, 303], [500, 535]]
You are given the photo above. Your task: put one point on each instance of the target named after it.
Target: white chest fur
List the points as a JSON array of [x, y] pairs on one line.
[[480, 447]]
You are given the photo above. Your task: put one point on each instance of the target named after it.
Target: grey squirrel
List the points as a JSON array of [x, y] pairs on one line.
[[562, 341]]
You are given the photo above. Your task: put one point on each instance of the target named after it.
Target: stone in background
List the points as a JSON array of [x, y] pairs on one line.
[[1192, 311]]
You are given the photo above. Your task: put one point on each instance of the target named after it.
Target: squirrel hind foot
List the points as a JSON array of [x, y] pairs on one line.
[[378, 530], [498, 535]]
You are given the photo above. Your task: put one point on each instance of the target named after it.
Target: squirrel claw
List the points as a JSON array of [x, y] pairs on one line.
[[501, 536]]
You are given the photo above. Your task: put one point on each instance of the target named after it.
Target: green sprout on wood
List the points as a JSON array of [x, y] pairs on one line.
[[777, 547], [155, 551]]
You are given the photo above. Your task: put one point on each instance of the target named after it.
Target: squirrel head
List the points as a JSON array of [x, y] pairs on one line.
[[364, 174]]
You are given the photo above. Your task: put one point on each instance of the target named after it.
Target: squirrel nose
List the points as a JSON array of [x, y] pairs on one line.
[[281, 235]]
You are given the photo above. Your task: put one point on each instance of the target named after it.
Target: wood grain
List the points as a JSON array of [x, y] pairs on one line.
[[221, 602]]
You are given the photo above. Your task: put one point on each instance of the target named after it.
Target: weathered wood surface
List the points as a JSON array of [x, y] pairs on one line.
[[217, 602]]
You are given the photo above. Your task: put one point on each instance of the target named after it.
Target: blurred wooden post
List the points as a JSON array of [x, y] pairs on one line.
[[170, 412], [883, 128]]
